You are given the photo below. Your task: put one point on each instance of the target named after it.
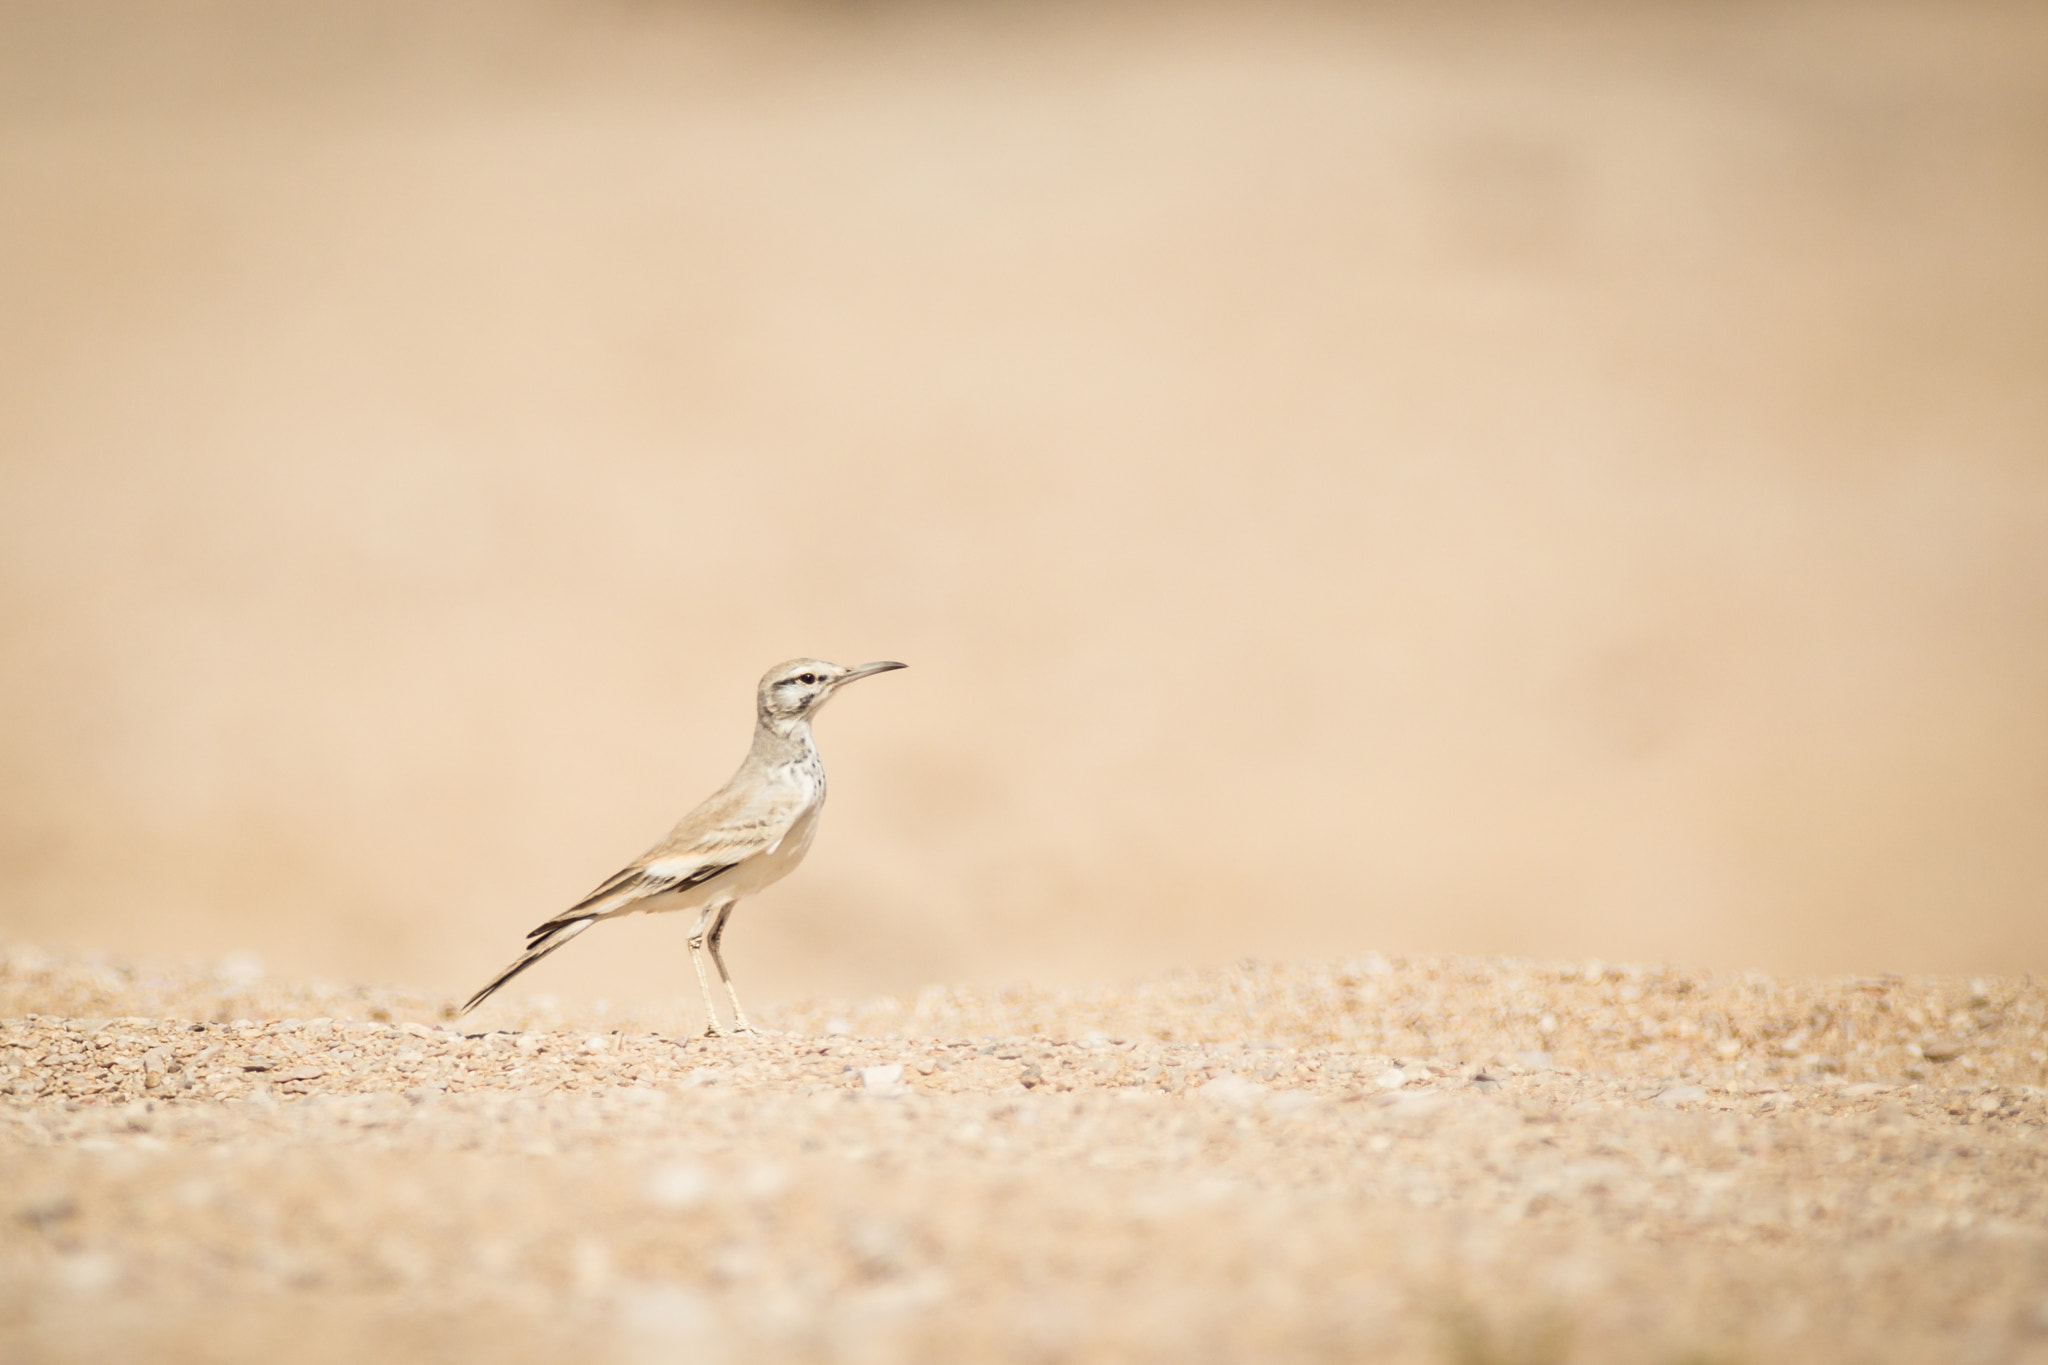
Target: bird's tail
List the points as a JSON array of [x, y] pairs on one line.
[[555, 937]]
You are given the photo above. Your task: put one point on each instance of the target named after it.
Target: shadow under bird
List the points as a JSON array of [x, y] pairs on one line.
[[750, 834]]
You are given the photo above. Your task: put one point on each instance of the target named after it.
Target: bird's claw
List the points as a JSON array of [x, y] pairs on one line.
[[739, 1030]]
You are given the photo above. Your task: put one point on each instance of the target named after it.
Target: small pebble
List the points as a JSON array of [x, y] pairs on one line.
[[678, 1185]]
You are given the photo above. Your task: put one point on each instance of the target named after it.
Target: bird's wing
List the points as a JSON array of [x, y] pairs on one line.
[[651, 876], [716, 837]]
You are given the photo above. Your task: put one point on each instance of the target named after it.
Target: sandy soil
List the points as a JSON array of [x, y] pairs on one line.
[[1619, 425], [1459, 1160]]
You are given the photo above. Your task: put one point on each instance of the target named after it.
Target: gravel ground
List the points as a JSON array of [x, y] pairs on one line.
[[1486, 1162]]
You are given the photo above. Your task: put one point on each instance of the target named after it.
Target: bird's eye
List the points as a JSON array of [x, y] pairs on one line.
[[807, 679]]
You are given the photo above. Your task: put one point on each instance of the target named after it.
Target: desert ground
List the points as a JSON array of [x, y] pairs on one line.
[[1487, 1162], [1556, 479]]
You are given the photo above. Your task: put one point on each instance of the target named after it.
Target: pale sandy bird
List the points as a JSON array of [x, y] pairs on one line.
[[751, 833]]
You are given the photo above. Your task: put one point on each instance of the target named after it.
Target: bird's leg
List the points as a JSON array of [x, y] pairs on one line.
[[697, 936], [739, 1016]]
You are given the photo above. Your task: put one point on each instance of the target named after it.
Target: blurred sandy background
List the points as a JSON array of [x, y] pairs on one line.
[[1558, 480]]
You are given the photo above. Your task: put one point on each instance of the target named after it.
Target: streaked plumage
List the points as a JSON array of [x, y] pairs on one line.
[[750, 834]]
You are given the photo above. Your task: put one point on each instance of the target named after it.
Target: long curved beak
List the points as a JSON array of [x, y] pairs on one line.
[[866, 670]]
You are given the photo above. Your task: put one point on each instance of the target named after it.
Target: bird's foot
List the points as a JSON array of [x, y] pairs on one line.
[[738, 1028]]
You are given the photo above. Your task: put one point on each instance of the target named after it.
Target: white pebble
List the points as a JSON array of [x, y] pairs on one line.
[[86, 1272], [1231, 1089], [678, 1185], [1682, 1094]]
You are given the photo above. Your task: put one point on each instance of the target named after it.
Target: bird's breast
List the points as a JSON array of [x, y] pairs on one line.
[[781, 858]]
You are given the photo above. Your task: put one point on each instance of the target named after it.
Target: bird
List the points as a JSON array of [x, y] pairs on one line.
[[749, 834]]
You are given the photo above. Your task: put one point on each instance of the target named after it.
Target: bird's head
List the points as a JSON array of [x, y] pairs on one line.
[[795, 690]]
